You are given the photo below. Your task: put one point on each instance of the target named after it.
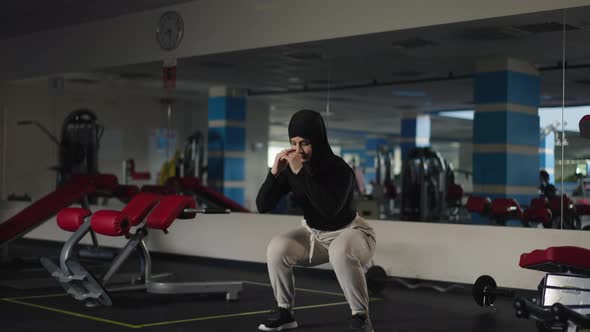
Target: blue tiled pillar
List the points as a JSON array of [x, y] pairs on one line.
[[415, 132], [506, 130], [227, 142], [370, 166], [547, 155]]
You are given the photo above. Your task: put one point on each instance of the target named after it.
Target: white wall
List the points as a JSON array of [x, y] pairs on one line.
[[444, 252], [214, 26], [129, 121], [257, 132]]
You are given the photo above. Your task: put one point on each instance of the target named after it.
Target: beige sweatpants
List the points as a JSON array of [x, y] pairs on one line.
[[348, 250]]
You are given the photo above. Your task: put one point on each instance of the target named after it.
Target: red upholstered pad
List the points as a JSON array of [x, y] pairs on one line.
[[555, 204], [193, 184], [109, 222], [42, 209], [105, 181], [584, 126], [506, 207], [554, 259], [163, 190], [126, 191], [140, 206], [70, 219], [538, 214], [169, 209], [478, 204], [583, 209], [539, 202], [101, 181], [137, 175]]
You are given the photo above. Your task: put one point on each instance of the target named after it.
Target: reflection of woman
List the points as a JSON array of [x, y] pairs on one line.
[[323, 184]]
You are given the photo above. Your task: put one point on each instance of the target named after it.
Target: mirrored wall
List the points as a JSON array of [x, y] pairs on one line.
[[473, 122]]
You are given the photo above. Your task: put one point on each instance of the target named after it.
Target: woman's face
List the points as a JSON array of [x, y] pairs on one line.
[[302, 146]]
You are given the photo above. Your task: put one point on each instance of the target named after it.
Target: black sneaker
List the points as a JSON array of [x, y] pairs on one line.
[[360, 322], [278, 320]]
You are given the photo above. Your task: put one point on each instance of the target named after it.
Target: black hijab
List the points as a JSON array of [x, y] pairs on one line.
[[309, 124]]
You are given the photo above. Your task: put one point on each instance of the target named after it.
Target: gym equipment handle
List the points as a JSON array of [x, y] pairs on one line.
[[208, 211], [525, 307], [563, 313]]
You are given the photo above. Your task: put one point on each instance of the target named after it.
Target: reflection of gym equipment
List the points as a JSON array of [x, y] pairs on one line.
[[78, 146], [500, 210], [425, 176], [71, 192], [130, 172], [185, 173], [384, 167], [562, 302], [193, 157], [145, 211]]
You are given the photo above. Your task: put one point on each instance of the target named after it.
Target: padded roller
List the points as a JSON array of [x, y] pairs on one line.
[[111, 223], [538, 214], [506, 207], [478, 204], [70, 219]]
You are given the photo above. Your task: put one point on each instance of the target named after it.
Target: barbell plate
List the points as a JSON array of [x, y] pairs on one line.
[[481, 290]]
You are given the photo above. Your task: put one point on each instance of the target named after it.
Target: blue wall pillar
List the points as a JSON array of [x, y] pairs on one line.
[[227, 142], [506, 130], [415, 132]]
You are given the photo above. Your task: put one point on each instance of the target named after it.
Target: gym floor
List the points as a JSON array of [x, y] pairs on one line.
[[30, 300]]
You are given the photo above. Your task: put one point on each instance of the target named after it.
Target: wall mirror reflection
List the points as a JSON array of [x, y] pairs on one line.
[[454, 123]]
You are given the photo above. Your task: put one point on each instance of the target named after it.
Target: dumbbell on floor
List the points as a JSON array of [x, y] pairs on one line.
[[485, 291]]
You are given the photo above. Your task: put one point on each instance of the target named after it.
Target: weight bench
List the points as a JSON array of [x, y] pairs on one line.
[[564, 294], [115, 223], [538, 212], [570, 218], [75, 279]]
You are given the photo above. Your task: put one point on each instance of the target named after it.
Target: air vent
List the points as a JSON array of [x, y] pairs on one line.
[[545, 27], [493, 33], [412, 43], [217, 65], [304, 56], [135, 76]]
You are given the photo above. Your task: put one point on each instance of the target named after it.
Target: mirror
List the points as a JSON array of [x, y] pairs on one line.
[[422, 116]]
